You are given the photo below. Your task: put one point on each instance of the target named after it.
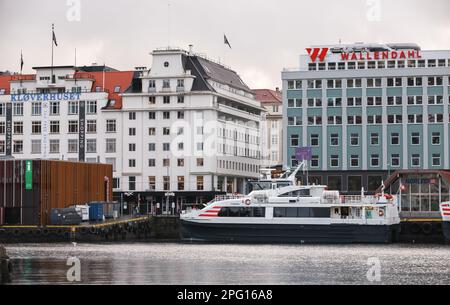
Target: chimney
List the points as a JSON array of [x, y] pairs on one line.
[[191, 47], [277, 89]]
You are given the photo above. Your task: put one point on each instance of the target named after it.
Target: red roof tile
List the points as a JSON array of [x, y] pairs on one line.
[[113, 79], [267, 96], [4, 82]]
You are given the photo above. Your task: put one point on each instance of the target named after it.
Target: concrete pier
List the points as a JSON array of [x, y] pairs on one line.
[[142, 229]]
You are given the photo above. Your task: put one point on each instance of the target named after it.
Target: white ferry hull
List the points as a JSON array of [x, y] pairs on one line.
[[289, 234]]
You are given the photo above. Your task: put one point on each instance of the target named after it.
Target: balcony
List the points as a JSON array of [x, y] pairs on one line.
[[181, 89]]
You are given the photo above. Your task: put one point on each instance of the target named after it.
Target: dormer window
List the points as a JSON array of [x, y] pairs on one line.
[[2, 91], [117, 89], [98, 89]]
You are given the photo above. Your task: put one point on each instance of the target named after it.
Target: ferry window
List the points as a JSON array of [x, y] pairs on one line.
[[341, 66], [242, 212], [245, 212], [259, 212], [303, 212], [320, 212], [233, 212], [291, 212], [223, 212], [279, 212]]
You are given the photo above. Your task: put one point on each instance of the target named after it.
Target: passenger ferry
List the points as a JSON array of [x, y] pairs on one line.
[[445, 212], [288, 213]]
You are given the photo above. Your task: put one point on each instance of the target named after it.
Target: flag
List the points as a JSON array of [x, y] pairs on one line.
[[54, 37], [21, 61], [225, 40]]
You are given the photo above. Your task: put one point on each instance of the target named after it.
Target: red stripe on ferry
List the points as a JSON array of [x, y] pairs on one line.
[[208, 215]]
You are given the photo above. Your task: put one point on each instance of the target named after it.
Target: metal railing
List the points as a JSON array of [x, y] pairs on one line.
[[226, 197]]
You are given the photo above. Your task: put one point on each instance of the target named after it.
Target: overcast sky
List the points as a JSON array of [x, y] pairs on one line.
[[266, 35]]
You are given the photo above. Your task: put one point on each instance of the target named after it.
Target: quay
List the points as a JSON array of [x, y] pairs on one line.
[[145, 228], [5, 266]]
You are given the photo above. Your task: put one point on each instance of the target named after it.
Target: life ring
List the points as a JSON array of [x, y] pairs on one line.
[[248, 202], [381, 213]]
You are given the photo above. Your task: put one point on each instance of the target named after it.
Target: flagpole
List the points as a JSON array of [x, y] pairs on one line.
[[75, 75], [53, 29], [21, 67]]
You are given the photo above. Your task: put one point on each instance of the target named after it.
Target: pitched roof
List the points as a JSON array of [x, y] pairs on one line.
[[267, 96], [113, 79], [219, 73], [4, 82]]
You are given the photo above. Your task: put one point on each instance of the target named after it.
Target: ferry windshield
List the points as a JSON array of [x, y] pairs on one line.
[[265, 185]]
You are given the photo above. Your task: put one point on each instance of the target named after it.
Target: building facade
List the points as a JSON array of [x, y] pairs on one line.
[[192, 131], [179, 133], [367, 110], [272, 101]]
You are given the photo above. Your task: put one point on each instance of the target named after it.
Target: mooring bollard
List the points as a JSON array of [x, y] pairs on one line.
[[5, 266]]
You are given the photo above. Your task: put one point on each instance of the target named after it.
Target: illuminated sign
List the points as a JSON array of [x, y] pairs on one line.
[[36, 97], [321, 53]]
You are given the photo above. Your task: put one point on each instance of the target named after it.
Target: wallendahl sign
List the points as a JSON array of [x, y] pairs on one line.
[[321, 53]]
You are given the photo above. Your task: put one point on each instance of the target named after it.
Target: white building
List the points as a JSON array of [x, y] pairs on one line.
[[192, 127], [188, 128], [272, 101]]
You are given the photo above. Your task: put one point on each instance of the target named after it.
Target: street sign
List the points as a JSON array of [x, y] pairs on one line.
[[303, 154], [29, 175]]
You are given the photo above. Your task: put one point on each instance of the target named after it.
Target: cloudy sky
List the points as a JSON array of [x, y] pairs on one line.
[[266, 35]]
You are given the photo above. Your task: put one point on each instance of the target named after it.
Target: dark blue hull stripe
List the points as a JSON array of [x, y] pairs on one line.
[[298, 234]]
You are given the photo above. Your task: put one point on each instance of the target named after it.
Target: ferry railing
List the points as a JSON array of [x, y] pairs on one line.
[[226, 197], [359, 200]]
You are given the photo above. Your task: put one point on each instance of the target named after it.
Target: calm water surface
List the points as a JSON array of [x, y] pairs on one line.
[[229, 264]]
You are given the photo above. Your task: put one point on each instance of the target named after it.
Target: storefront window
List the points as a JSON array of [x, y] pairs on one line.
[[335, 183], [374, 182], [354, 183]]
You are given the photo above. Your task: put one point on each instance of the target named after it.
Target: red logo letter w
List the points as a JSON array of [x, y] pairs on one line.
[[317, 52]]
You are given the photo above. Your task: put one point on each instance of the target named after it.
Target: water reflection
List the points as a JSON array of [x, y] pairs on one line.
[[229, 264]]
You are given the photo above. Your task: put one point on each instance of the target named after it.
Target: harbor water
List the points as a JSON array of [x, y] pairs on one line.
[[173, 263]]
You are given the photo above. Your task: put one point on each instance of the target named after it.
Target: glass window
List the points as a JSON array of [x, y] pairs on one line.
[[354, 183], [334, 183]]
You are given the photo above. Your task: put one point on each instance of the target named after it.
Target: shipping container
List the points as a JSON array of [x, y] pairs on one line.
[[30, 189], [96, 211]]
